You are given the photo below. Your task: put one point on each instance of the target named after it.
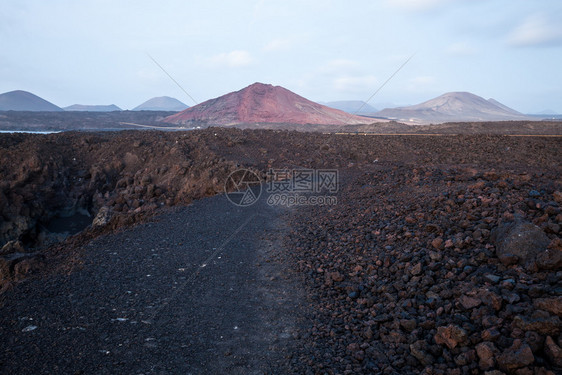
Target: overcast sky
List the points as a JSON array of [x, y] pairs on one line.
[[96, 51]]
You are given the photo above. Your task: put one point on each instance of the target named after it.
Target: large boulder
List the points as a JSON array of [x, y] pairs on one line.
[[519, 243]]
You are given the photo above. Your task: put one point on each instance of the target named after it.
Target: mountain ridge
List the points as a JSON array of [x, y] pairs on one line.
[[161, 103], [457, 106], [19, 100], [92, 108]]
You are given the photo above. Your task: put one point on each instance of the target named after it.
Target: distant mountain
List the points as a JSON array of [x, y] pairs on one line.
[[453, 107], [547, 112], [25, 101], [356, 107], [92, 108], [161, 103], [262, 103]]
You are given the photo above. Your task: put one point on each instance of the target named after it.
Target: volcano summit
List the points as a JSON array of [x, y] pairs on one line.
[[263, 103]]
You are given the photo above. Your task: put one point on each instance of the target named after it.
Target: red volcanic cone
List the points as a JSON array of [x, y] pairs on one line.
[[261, 103]]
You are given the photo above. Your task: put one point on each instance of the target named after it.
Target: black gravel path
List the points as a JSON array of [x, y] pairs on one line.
[[200, 290]]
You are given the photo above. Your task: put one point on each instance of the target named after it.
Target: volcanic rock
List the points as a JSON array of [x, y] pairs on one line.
[[553, 351], [540, 322], [450, 335], [517, 356], [419, 350], [519, 242], [486, 352], [552, 305], [12, 247], [551, 259], [102, 217]]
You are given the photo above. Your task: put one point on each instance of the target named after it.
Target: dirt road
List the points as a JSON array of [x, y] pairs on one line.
[[198, 291]]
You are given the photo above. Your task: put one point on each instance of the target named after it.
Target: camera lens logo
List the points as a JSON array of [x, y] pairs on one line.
[[243, 187]]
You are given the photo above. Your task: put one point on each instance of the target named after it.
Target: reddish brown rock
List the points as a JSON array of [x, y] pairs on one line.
[[437, 243], [469, 302], [552, 305], [553, 351], [490, 298], [450, 335], [517, 356], [486, 352]]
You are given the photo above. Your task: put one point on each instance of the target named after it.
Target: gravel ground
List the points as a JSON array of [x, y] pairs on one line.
[[197, 291]]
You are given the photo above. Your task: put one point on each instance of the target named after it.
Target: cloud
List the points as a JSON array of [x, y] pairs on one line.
[[461, 49], [233, 59], [536, 31]]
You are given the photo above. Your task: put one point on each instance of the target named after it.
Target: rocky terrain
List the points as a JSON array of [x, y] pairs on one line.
[[443, 254], [435, 269], [496, 127]]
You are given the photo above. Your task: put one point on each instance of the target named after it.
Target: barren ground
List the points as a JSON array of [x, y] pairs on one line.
[[414, 270]]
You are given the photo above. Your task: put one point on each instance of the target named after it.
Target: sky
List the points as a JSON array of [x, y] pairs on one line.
[[98, 51]]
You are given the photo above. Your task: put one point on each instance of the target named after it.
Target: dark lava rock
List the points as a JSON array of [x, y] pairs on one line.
[[540, 322], [551, 259], [519, 242], [486, 352], [552, 305], [419, 350], [517, 356], [553, 351]]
